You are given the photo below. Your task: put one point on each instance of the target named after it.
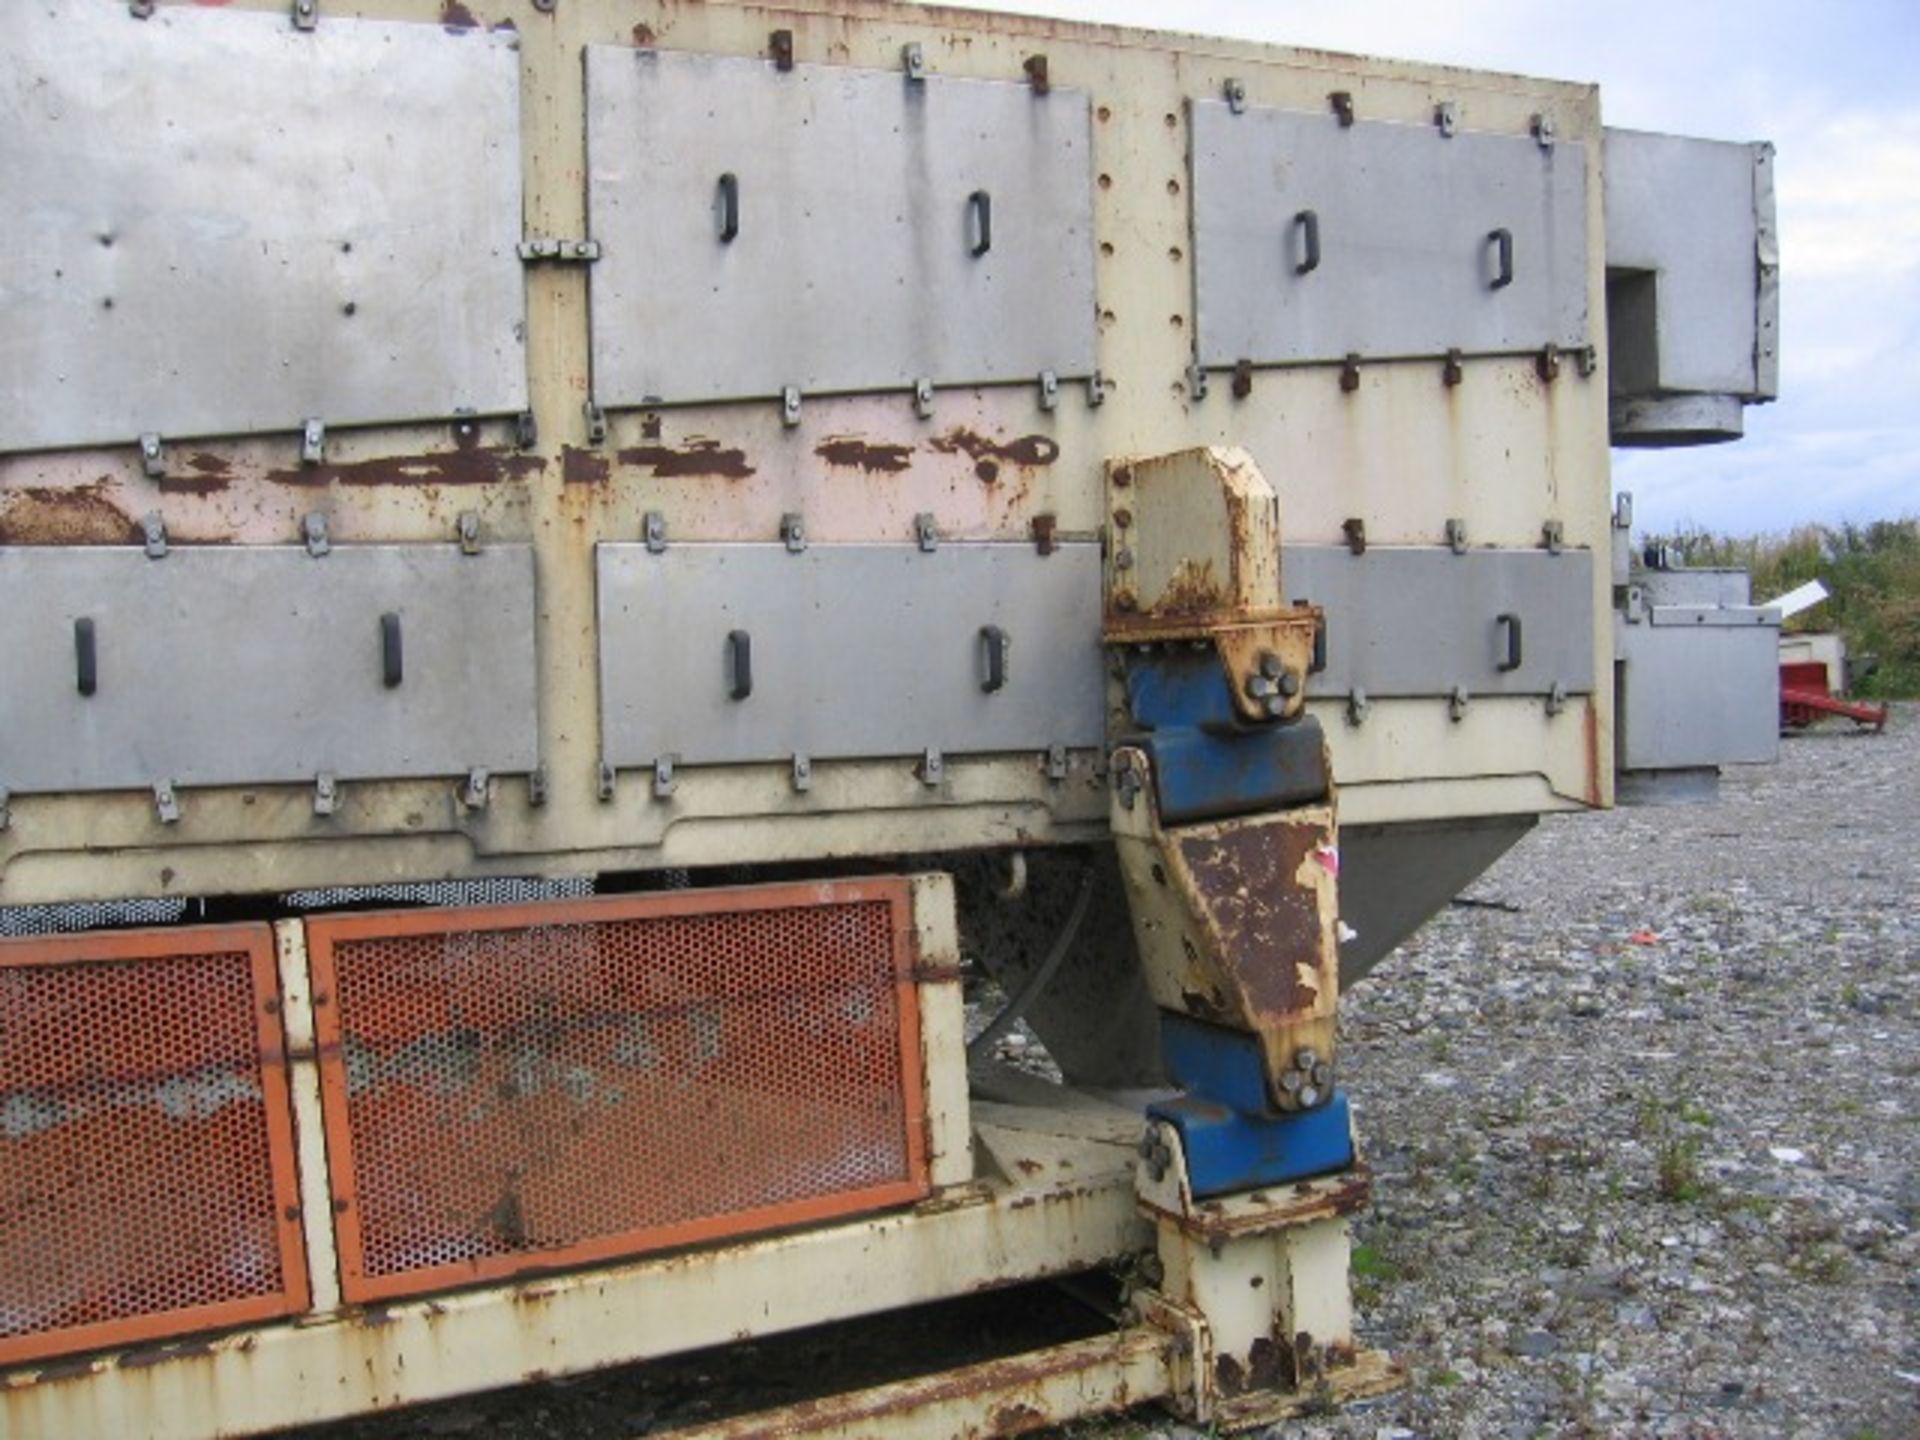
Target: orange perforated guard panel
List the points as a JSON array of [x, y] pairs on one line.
[[518, 1088], [147, 1180]]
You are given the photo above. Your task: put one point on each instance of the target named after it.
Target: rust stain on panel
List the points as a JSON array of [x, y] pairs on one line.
[[852, 453], [583, 467], [455, 17], [488, 466], [698, 458], [65, 515], [1193, 590], [1265, 922], [1593, 753], [988, 455]]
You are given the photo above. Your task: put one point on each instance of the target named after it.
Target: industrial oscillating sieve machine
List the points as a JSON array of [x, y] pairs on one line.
[[569, 568]]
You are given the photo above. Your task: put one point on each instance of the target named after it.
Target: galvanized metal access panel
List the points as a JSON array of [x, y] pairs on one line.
[[217, 224], [854, 650], [830, 228], [1419, 621], [233, 666], [1313, 241]]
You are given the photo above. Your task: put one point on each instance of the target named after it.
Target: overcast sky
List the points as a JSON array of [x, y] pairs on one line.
[[1835, 84]]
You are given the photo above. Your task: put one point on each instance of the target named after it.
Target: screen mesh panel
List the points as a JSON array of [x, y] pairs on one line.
[[521, 1087], [146, 1156]]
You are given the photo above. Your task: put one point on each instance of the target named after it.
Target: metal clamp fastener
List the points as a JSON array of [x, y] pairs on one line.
[[313, 441], [153, 459], [314, 534]]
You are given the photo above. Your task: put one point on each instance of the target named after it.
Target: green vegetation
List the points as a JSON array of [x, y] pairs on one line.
[[1873, 571]]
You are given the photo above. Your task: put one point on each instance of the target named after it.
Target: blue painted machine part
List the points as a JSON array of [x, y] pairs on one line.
[[1232, 1139], [1208, 764]]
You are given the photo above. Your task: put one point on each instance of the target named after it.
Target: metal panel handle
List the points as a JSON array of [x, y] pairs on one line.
[[1510, 633], [1308, 224], [729, 207], [739, 664], [86, 657], [393, 665], [1502, 241], [993, 657], [980, 213]]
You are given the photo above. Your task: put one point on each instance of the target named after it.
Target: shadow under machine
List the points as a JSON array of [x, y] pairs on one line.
[[567, 569]]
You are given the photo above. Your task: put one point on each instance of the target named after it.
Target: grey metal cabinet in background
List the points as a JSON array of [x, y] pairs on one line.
[[830, 229], [1313, 240]]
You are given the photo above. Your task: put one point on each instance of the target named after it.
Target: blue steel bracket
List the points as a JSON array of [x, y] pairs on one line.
[[1208, 763], [1233, 1140]]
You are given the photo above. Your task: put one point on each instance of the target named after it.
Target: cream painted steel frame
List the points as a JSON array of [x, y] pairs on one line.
[[1505, 451]]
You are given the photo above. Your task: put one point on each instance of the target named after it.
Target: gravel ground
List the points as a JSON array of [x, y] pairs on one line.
[[1648, 1143], [1645, 1121]]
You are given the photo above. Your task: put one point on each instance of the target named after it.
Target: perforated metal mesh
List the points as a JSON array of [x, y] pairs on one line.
[[20, 920], [527, 1087], [505, 891], [145, 1157]]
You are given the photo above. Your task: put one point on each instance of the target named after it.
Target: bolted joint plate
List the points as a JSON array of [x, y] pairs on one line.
[[1202, 530]]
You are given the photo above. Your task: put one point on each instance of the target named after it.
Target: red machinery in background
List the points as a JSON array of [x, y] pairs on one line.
[[1806, 697]]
